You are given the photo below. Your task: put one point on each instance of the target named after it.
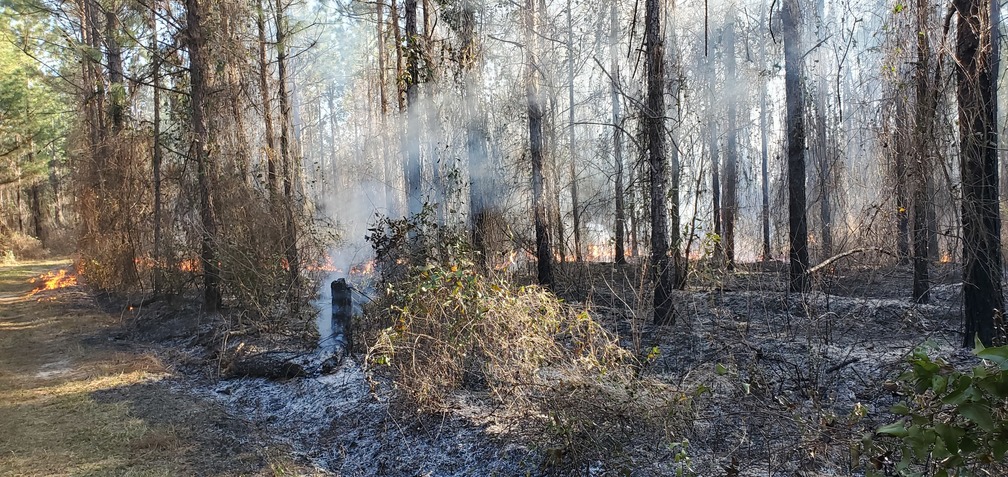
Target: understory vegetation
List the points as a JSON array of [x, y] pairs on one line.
[[442, 328]]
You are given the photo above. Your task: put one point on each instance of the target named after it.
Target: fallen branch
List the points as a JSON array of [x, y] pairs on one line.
[[831, 260]]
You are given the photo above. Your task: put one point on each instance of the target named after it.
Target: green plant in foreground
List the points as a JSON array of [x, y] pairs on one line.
[[955, 422]]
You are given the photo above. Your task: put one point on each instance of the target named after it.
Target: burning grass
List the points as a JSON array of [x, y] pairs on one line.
[[53, 280]]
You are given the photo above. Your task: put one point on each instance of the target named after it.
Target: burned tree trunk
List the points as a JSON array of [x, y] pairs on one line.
[[201, 150], [287, 160], [794, 90], [981, 222], [544, 253], [575, 205], [620, 233], [661, 269], [764, 164], [925, 118], [731, 149]]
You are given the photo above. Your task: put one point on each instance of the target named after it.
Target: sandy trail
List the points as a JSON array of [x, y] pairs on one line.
[[76, 398]]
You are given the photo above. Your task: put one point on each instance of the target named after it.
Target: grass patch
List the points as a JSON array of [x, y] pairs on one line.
[[53, 423]]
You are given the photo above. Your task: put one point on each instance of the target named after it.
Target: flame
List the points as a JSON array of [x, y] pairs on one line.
[[509, 263], [363, 269], [946, 257], [190, 265], [53, 280], [599, 252], [328, 266]]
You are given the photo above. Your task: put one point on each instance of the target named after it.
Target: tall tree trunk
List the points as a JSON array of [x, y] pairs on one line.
[[38, 215], [115, 66], [272, 179], [54, 185], [414, 198], [981, 222], [575, 203], [730, 209], [397, 37], [287, 160], [764, 167], [618, 192], [390, 195], [794, 90], [661, 268], [765, 152], [715, 158], [825, 181], [715, 164], [205, 168], [544, 253], [823, 156], [925, 118], [480, 201], [158, 267], [635, 166], [553, 172]]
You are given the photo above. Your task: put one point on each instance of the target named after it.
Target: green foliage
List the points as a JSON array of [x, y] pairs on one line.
[[33, 122], [955, 422]]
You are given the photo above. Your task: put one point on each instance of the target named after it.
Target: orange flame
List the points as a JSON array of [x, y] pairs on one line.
[[599, 252], [53, 281], [364, 269], [190, 265]]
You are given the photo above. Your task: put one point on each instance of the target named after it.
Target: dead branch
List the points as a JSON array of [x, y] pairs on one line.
[[831, 260]]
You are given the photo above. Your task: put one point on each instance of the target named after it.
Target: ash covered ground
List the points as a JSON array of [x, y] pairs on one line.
[[786, 383]]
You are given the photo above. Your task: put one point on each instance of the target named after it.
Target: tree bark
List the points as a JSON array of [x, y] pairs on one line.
[[544, 254], [480, 202], [272, 179], [414, 200], [925, 118], [730, 209], [158, 267], [765, 152], [981, 222], [794, 90], [575, 205], [618, 192], [287, 160], [115, 66], [205, 168], [661, 268]]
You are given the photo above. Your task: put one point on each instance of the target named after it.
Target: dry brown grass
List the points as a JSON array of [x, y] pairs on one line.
[[561, 376], [72, 404]]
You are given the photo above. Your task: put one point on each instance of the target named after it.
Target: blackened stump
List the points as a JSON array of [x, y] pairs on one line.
[[342, 313]]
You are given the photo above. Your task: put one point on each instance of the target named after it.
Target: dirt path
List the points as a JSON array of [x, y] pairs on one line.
[[78, 399]]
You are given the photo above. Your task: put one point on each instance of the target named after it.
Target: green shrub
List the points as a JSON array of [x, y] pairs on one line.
[[956, 422]]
